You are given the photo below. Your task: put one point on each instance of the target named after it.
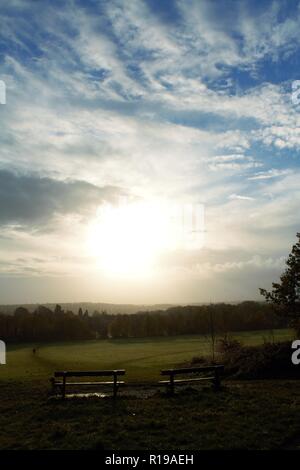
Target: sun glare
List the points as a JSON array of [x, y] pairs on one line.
[[129, 238]]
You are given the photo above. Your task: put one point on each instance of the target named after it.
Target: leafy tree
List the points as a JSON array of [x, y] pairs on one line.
[[42, 310], [58, 310], [285, 295], [20, 311]]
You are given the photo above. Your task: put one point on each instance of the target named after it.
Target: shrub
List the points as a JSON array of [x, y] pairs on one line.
[[266, 361], [269, 360]]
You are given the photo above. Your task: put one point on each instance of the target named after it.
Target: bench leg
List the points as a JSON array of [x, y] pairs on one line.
[[115, 386], [217, 381], [52, 381], [171, 385], [64, 387]]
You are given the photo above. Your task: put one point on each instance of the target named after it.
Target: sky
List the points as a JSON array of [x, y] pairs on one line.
[[149, 151]]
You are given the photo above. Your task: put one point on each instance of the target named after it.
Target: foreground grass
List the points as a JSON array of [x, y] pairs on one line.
[[248, 415], [245, 415]]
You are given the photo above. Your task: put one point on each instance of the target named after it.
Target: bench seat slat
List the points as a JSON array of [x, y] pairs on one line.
[[89, 373], [182, 381], [60, 384], [191, 370]]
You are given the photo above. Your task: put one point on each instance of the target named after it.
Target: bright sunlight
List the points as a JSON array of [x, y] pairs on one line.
[[129, 238]]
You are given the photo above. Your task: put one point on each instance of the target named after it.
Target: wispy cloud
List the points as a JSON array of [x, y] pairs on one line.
[[239, 197], [272, 173]]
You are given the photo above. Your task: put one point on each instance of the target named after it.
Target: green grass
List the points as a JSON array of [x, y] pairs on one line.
[[142, 358], [244, 415], [249, 415]]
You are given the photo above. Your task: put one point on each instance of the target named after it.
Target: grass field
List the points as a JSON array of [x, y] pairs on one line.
[[142, 358], [244, 415]]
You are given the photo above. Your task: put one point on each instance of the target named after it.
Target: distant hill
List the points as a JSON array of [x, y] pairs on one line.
[[110, 308], [90, 306]]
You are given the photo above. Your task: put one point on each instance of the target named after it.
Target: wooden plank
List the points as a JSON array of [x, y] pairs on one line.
[[89, 373], [188, 370], [179, 381], [60, 384]]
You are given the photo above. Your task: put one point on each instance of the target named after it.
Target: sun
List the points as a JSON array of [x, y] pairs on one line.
[[126, 240]]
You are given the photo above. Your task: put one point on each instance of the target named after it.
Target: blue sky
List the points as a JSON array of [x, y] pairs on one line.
[[187, 102]]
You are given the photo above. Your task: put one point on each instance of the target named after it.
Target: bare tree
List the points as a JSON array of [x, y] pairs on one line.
[[212, 334]]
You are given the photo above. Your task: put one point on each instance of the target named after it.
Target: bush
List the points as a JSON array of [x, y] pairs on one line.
[[266, 361], [269, 360]]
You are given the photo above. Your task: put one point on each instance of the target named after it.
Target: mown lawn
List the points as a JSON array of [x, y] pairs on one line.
[[142, 358]]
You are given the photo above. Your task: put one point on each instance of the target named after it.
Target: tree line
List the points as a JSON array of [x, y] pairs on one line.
[[44, 324]]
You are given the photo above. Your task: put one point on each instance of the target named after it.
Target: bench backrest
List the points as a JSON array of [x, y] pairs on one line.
[[89, 373], [186, 370]]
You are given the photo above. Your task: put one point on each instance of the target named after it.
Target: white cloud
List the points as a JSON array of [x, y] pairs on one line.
[[239, 197], [233, 162], [272, 173]]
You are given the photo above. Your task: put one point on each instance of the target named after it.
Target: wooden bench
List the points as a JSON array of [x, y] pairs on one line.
[[60, 383], [215, 378]]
